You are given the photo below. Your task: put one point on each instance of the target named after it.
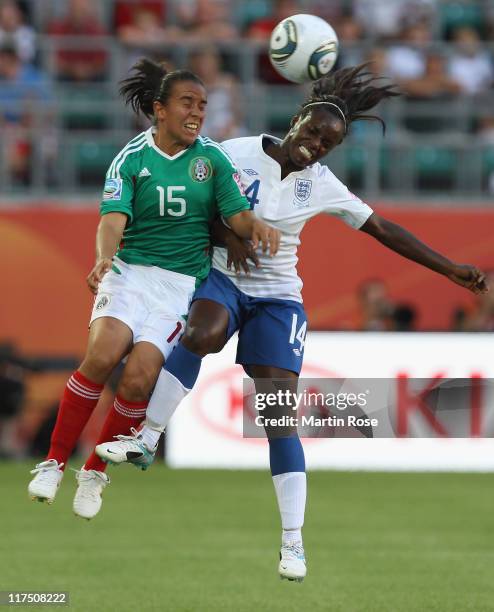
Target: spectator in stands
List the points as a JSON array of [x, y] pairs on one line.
[[485, 129], [350, 35], [434, 84], [207, 20], [146, 28], [124, 11], [403, 318], [86, 59], [332, 12], [223, 120], [23, 90], [470, 65], [384, 19], [407, 59], [375, 306], [14, 31], [480, 315], [378, 61], [261, 29]]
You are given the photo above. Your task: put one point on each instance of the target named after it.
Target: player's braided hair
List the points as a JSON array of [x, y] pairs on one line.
[[353, 91], [151, 81]]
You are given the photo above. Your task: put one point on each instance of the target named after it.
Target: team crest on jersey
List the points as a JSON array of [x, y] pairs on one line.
[[112, 189], [103, 301], [303, 188], [200, 169]]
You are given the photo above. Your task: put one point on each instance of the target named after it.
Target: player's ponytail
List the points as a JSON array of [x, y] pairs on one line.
[[151, 81], [353, 91]]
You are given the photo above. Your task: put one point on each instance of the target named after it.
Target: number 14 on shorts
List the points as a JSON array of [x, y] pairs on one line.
[[297, 334]]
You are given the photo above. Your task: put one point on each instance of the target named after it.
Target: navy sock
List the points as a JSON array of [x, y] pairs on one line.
[[286, 455], [184, 365]]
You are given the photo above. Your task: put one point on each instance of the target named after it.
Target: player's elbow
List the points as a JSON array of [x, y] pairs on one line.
[[377, 227]]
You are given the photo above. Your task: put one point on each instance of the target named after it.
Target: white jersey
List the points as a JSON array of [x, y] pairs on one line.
[[286, 205]]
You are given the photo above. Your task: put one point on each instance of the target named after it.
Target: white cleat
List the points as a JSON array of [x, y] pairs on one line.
[[130, 449], [292, 562], [44, 486], [87, 500]]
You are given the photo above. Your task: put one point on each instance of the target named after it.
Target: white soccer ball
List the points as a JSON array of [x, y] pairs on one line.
[[303, 48]]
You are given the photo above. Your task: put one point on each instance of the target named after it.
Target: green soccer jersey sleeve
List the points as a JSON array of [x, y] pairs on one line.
[[118, 192], [230, 196]]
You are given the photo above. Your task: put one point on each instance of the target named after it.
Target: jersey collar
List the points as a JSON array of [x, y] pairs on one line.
[[150, 140]]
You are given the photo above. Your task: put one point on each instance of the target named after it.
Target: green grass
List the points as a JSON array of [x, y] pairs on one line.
[[207, 541]]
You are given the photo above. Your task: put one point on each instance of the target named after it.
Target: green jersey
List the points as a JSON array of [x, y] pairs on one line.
[[170, 202]]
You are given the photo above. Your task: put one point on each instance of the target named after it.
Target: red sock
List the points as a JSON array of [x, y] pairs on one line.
[[76, 406], [122, 416]]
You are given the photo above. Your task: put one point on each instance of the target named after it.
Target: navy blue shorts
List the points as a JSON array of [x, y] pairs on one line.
[[271, 331]]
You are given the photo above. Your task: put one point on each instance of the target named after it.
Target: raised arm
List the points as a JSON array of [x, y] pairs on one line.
[[405, 243], [108, 237]]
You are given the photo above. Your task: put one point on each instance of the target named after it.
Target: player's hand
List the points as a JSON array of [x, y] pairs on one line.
[[96, 275], [267, 236], [239, 252], [470, 277]]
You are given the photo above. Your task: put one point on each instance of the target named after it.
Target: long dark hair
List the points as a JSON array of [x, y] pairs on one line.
[[151, 81], [354, 91]]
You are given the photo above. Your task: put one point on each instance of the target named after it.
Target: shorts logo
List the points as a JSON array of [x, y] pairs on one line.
[[103, 301], [112, 189], [303, 188], [238, 180], [200, 170]]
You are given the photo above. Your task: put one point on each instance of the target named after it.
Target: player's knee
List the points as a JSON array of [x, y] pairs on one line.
[[136, 385], [204, 341], [99, 364]]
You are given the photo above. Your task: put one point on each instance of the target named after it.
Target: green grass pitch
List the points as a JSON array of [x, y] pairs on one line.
[[201, 541]]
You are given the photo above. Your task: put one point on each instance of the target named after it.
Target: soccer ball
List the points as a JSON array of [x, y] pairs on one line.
[[303, 48]]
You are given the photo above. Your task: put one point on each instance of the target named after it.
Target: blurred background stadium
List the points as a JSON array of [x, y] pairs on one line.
[[62, 121]]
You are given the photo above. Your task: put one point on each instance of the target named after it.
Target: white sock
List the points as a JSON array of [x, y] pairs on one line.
[[150, 436], [167, 395], [291, 492], [291, 535]]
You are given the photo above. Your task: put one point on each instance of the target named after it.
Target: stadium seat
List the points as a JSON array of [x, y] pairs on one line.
[[488, 168], [281, 103], [435, 167], [457, 14], [82, 107], [356, 158], [92, 159]]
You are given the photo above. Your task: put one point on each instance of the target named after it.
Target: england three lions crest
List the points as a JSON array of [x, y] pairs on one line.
[[303, 188]]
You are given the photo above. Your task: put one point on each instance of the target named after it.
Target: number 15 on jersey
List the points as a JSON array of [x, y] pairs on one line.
[[171, 199]]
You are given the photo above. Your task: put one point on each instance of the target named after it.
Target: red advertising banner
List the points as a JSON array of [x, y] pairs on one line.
[[47, 253]]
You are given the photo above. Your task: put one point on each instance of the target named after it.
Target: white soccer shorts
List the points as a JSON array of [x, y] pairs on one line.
[[151, 301]]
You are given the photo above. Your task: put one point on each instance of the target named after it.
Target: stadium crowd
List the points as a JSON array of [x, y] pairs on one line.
[[59, 65]]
